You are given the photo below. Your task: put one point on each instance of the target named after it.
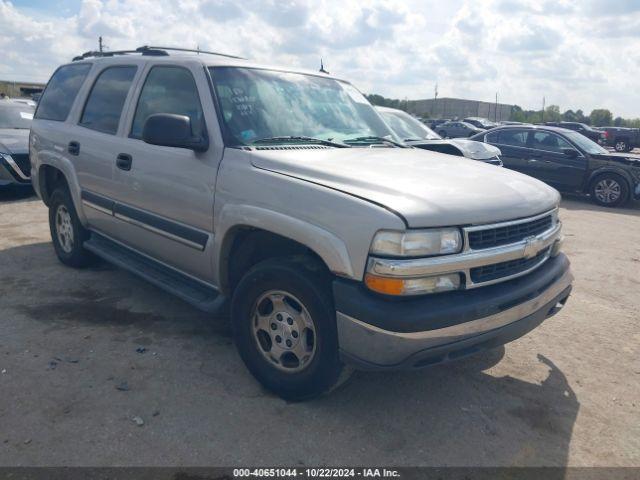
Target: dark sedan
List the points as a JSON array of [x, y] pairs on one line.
[[15, 120], [568, 161]]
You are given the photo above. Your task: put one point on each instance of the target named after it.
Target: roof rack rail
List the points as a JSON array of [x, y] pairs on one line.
[[175, 49], [142, 50], [148, 50]]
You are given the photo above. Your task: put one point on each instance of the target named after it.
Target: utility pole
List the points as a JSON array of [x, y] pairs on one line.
[[543, 101], [435, 98], [495, 113], [100, 44]]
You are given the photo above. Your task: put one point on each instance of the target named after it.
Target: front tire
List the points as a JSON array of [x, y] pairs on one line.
[[609, 190], [67, 233], [284, 327]]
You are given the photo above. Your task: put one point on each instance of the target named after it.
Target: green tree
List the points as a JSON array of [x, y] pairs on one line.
[[601, 117], [552, 114]]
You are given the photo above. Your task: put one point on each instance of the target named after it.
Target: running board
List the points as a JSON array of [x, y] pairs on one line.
[[196, 293]]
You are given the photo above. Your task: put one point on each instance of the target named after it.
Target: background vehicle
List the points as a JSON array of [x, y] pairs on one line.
[[457, 129], [415, 133], [621, 139], [15, 121], [483, 123], [231, 183], [433, 124], [568, 161], [582, 128]]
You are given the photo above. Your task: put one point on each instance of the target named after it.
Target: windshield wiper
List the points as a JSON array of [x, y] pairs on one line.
[[300, 138], [374, 139]]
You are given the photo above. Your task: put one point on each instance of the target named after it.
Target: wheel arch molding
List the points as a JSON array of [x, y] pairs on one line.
[[236, 221]]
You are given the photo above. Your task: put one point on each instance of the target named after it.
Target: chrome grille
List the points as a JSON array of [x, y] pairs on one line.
[[511, 233], [489, 273]]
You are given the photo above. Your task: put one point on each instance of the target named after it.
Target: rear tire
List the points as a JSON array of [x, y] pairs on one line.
[[284, 327], [67, 233], [621, 145], [609, 190]]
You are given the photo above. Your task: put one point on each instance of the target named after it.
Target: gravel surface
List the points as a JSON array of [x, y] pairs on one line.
[[101, 368]]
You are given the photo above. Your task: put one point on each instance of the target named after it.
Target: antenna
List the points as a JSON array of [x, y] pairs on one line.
[[322, 70]]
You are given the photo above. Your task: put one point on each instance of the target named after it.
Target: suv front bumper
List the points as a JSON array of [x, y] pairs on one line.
[[375, 332]]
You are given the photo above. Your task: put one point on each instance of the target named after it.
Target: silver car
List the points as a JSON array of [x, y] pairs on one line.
[[415, 133]]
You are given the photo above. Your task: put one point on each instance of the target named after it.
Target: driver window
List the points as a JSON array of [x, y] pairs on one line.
[[549, 142], [169, 90]]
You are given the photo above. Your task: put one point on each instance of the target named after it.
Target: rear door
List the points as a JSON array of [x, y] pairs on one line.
[[98, 142], [512, 142], [550, 162]]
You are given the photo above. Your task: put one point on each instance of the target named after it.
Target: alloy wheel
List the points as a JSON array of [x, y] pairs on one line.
[[284, 331], [64, 229], [608, 190]]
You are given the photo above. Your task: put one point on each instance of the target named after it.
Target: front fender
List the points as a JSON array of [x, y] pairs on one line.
[[331, 249], [611, 169]]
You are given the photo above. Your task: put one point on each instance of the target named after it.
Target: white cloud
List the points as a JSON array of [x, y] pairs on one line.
[[576, 54]]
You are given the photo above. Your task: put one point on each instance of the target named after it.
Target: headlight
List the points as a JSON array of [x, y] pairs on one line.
[[417, 243]]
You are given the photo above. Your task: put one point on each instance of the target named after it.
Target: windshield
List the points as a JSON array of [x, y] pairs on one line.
[[16, 115], [260, 104], [584, 143], [407, 127]]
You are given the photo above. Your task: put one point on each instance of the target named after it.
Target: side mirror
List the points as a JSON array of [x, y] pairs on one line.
[[570, 152], [170, 130]]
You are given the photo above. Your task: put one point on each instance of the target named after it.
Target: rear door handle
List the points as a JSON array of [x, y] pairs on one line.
[[123, 161], [74, 148]]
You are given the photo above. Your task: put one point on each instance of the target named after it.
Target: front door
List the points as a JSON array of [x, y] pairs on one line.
[[166, 194], [551, 162]]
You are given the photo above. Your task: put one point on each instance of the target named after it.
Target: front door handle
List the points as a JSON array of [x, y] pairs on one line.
[[123, 161], [74, 148]]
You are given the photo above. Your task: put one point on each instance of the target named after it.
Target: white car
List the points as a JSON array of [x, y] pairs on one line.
[[418, 135]]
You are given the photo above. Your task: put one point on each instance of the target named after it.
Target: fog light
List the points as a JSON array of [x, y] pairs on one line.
[[412, 286]]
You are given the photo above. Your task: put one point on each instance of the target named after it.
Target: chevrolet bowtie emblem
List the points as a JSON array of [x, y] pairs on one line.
[[532, 246]]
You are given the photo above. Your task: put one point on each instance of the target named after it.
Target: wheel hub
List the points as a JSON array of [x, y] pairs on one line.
[[285, 330]]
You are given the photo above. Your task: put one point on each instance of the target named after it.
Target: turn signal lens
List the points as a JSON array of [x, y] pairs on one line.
[[412, 286]]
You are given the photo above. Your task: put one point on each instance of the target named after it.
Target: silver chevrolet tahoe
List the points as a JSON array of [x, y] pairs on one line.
[[283, 194]]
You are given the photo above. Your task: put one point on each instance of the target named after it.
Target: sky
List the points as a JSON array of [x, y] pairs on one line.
[[577, 54]]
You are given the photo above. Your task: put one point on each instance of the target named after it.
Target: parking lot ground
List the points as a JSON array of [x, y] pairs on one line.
[[84, 352]]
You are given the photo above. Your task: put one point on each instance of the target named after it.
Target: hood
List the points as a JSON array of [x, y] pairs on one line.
[[14, 140], [427, 189], [469, 148], [624, 158], [475, 150]]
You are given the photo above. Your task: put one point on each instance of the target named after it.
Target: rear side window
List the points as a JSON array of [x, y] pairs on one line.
[[61, 91], [516, 138], [104, 105], [169, 90]]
